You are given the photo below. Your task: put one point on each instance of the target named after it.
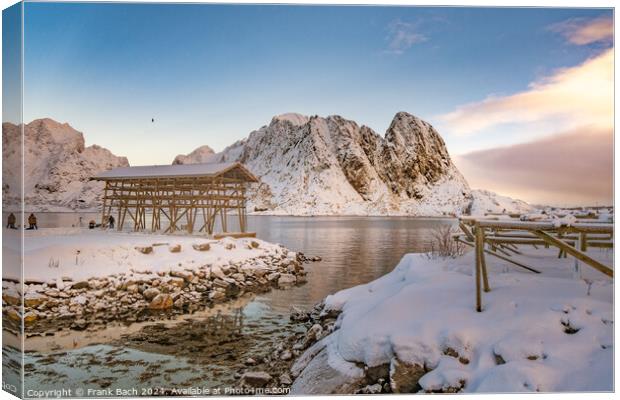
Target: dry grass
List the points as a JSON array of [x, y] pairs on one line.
[[443, 245]]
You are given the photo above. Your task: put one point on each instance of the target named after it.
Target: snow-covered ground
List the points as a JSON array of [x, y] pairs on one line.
[[537, 332], [80, 254]]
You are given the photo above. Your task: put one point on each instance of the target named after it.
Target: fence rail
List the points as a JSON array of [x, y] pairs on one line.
[[499, 238]]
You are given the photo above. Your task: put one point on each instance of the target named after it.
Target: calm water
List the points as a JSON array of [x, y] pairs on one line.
[[354, 250]]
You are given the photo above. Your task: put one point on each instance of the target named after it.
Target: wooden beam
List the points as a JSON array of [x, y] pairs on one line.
[[575, 253], [510, 260]]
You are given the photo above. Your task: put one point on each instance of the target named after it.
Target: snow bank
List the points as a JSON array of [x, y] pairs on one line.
[[546, 332], [81, 254]]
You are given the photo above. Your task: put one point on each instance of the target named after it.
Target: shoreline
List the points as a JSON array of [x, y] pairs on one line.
[[270, 214], [143, 280], [359, 341]]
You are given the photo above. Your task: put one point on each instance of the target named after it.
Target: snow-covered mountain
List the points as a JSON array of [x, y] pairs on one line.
[[307, 166], [485, 201], [203, 154], [315, 165], [57, 166]]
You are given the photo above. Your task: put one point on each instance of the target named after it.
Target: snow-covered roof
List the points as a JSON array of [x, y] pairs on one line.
[[179, 170]]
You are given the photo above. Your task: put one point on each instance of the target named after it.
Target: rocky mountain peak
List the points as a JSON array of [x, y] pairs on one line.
[[57, 166], [202, 154], [332, 165], [418, 150], [293, 118], [46, 130]]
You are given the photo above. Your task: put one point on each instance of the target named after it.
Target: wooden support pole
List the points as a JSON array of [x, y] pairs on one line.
[[510, 260], [477, 274], [105, 199], [575, 253], [480, 255], [467, 232]]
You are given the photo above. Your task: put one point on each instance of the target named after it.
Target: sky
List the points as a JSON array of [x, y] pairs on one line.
[[498, 84]]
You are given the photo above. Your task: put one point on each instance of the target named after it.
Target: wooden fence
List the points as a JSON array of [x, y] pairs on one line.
[[500, 238]]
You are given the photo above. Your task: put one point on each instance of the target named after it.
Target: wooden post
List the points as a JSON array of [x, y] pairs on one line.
[[105, 200], [479, 250], [480, 256]]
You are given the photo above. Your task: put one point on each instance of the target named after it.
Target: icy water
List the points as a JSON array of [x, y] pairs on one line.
[[202, 351]]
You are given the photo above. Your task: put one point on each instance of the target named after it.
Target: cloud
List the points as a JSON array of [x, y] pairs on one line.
[[580, 31], [403, 35], [570, 97], [572, 168]]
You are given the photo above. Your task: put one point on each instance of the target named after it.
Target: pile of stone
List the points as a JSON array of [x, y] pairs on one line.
[[143, 295], [274, 370], [293, 356]]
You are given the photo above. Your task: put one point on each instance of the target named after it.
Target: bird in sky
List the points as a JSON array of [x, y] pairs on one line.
[[152, 119]]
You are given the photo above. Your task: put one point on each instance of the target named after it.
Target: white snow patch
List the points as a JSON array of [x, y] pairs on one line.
[[104, 253], [426, 305]]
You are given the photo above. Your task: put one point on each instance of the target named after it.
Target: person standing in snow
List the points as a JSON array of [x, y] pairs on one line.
[[11, 220], [32, 221], [111, 222]]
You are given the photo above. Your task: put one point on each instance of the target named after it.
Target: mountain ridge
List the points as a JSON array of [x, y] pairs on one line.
[[57, 166], [308, 165], [312, 165]]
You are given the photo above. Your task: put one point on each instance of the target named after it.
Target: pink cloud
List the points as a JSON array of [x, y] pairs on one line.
[[570, 97], [573, 168], [581, 31]]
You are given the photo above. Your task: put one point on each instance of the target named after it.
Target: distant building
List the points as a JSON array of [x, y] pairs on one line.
[[190, 197]]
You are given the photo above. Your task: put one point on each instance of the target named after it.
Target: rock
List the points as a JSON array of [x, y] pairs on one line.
[[229, 246], [273, 276], [79, 324], [221, 283], [33, 299], [80, 285], [254, 244], [80, 300], [14, 315], [150, 293], [316, 376], [238, 277], [285, 379], [133, 288], [144, 249], [286, 280], [11, 297], [286, 355], [250, 361], [217, 272], [370, 389], [185, 275], [313, 334], [175, 249], [161, 302], [255, 379], [179, 303], [404, 377], [378, 373], [201, 246], [178, 282], [216, 295]]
